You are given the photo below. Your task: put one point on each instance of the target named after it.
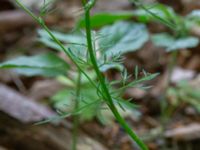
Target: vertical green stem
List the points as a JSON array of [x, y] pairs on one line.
[[168, 110], [76, 118], [104, 87], [171, 65]]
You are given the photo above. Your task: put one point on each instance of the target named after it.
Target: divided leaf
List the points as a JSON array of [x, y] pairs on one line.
[[43, 64]]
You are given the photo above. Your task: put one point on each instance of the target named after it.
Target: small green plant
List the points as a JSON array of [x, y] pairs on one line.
[[184, 92], [88, 92], [179, 40], [90, 51]]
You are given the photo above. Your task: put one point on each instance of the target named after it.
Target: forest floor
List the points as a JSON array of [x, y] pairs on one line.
[[25, 100]]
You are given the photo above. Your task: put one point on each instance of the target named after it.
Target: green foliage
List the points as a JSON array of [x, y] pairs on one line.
[[109, 43], [171, 43], [195, 14], [110, 65], [184, 92], [74, 41], [64, 101], [96, 51], [157, 12], [110, 40], [180, 25], [160, 10], [104, 18], [43, 64], [122, 37], [193, 18], [146, 13]]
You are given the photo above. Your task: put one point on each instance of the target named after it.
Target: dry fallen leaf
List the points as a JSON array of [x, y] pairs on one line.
[[179, 74], [185, 133], [22, 108], [1, 148]]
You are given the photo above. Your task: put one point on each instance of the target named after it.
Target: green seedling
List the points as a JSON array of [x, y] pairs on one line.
[[96, 51], [172, 45], [88, 50], [184, 92]]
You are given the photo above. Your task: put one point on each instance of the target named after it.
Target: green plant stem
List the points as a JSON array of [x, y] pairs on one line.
[[166, 110], [172, 62], [104, 87], [76, 117], [171, 66]]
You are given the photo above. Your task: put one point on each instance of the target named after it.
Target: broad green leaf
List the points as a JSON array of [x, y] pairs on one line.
[[75, 41], [171, 44], [192, 18], [50, 43], [104, 18], [44, 64], [122, 37], [68, 38], [194, 14], [163, 40], [188, 42]]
